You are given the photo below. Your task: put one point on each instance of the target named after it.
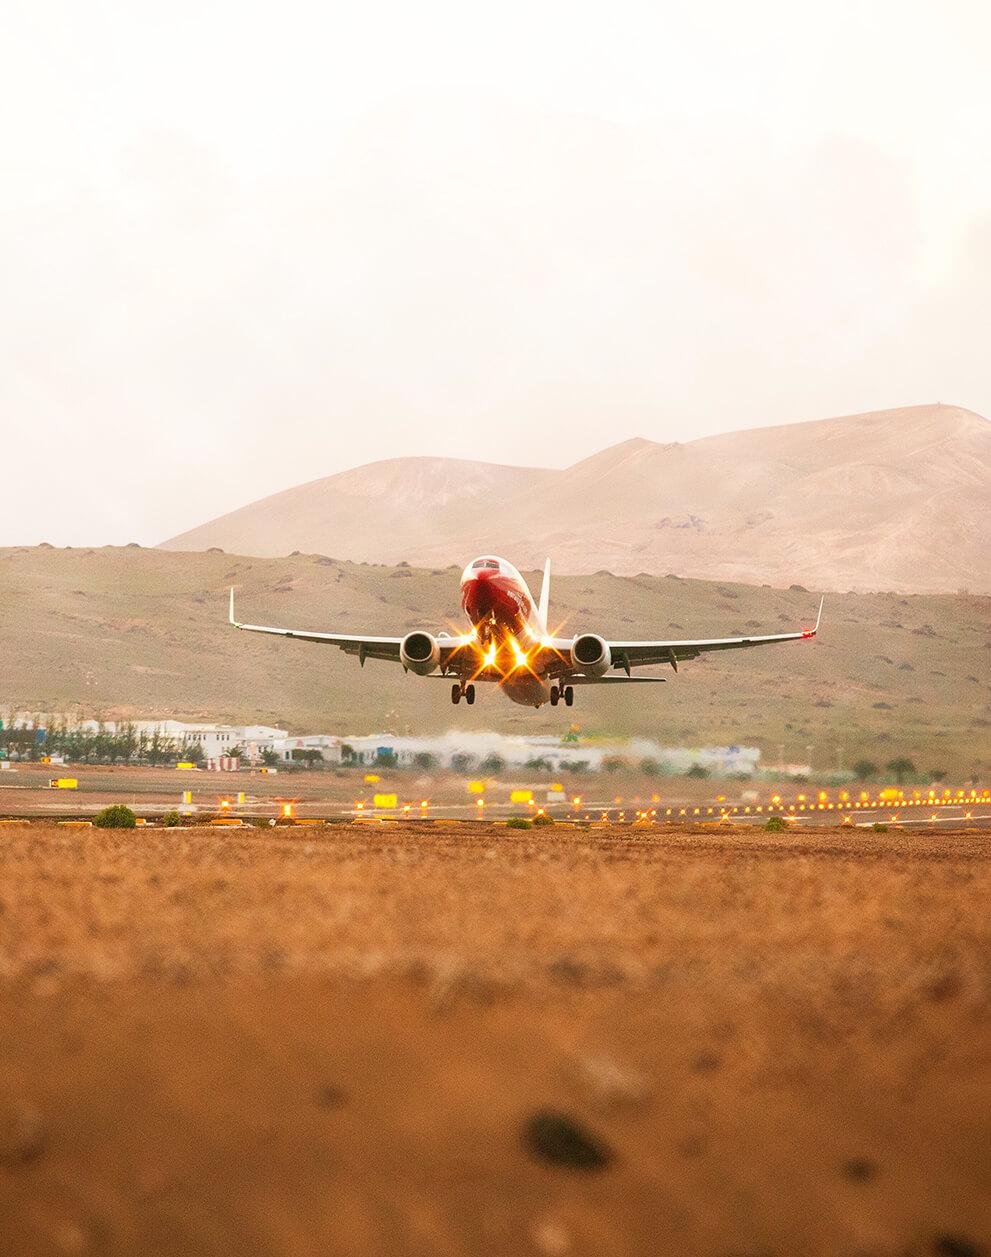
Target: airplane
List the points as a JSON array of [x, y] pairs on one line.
[[510, 644]]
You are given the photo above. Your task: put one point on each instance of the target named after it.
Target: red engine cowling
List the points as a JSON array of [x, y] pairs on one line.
[[420, 653], [590, 654]]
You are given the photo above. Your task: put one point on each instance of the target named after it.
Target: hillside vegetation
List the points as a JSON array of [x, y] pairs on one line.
[[124, 631]]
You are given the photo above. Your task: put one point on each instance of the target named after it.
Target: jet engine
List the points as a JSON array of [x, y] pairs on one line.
[[419, 653], [590, 654]]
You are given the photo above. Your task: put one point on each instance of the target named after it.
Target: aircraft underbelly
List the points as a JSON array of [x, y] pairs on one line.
[[526, 689]]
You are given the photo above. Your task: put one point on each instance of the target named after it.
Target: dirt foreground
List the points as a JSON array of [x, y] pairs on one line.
[[371, 1039]]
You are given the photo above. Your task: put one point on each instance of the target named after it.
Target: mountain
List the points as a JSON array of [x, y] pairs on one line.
[[119, 632], [895, 499], [384, 511]]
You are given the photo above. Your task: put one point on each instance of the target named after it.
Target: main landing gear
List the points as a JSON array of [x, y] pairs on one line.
[[567, 692], [467, 693]]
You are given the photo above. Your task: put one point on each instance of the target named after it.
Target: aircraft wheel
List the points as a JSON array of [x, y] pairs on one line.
[[569, 695], [555, 695], [455, 694], [470, 695]]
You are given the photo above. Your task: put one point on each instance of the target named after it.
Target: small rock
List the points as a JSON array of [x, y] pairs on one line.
[[561, 1140], [947, 985], [569, 970], [332, 1097], [954, 1245], [859, 1169], [22, 1132]]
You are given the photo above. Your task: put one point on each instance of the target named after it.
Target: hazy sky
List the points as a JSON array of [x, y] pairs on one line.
[[244, 245]]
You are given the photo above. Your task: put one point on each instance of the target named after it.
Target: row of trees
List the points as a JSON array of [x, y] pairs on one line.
[[122, 745], [125, 745], [902, 769], [491, 765]]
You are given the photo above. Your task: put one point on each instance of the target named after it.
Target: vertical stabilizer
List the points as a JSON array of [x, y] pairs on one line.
[[543, 606]]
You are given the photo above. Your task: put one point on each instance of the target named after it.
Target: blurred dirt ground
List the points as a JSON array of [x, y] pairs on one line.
[[428, 1040]]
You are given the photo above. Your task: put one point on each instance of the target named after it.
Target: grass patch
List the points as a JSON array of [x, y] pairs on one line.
[[518, 822], [116, 817]]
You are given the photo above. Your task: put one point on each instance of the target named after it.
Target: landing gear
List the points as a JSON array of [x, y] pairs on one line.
[[567, 692], [470, 695], [569, 696], [466, 692], [555, 696], [455, 694]]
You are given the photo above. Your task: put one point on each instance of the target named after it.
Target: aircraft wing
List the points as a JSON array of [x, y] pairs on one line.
[[364, 646], [627, 655]]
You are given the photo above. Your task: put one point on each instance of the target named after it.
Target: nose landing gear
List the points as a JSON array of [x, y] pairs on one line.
[[466, 692]]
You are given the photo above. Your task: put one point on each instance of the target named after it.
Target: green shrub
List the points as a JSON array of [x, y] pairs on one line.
[[775, 824], [517, 822], [116, 817], [879, 828], [901, 767], [543, 819], [171, 819]]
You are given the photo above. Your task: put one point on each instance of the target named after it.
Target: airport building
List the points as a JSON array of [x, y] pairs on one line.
[[215, 740], [219, 741], [223, 746]]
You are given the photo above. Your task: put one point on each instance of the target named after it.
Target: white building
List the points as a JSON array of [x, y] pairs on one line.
[[215, 740], [458, 750], [328, 746]]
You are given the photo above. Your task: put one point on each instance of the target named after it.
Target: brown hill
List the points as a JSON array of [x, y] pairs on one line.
[[896, 499], [127, 632], [400, 505]]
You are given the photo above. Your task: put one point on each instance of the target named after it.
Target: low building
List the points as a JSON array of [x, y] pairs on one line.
[[216, 741], [288, 749]]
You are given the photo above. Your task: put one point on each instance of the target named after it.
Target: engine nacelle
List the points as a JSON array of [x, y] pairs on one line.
[[591, 655], [420, 653]]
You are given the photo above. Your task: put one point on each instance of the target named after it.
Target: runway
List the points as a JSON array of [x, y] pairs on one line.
[[589, 799]]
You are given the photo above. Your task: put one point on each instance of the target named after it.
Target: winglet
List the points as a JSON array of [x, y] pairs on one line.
[[543, 607], [812, 631], [232, 620]]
